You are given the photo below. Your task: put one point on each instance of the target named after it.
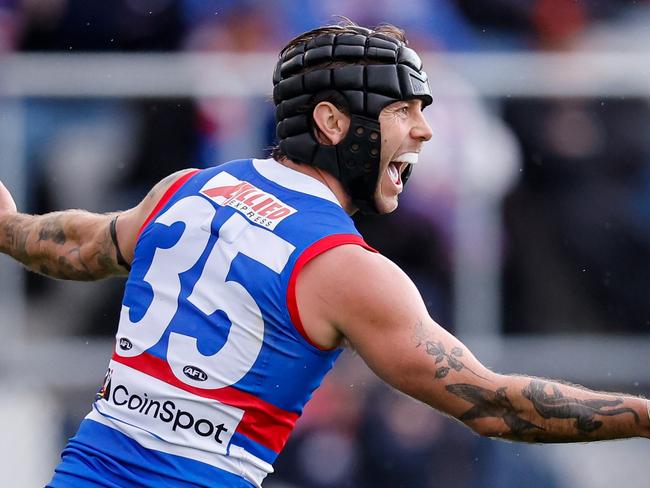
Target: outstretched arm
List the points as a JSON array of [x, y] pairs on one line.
[[377, 308], [75, 244], [72, 245]]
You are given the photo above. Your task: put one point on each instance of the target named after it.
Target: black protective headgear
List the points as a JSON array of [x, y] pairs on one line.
[[378, 70]]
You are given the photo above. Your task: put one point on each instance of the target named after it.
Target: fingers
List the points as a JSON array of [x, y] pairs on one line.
[[7, 203]]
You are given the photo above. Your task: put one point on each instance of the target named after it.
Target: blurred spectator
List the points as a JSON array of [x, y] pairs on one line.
[[229, 26], [538, 24], [10, 25], [122, 25], [230, 128], [579, 220], [405, 444]]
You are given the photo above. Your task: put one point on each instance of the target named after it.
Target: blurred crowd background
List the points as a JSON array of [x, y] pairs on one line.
[[570, 177]]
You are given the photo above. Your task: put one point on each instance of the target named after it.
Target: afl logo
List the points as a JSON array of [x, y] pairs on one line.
[[195, 373], [125, 344]]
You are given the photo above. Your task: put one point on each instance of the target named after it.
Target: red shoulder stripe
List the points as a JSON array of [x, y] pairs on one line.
[[317, 248]]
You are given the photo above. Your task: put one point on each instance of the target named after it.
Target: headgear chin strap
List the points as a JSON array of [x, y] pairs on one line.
[[377, 70]]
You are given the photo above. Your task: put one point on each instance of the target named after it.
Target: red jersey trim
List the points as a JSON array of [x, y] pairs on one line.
[[262, 422], [317, 248], [167, 196]]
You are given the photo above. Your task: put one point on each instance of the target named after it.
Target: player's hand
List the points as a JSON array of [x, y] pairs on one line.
[[7, 204]]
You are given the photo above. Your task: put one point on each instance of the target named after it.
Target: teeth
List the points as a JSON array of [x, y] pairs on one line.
[[410, 158]]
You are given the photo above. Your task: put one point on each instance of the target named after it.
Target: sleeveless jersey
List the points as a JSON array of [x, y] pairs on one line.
[[211, 367]]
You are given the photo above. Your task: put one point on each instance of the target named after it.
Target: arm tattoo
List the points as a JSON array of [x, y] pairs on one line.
[[66, 245], [437, 350], [14, 237], [439, 353], [52, 230], [559, 406], [73, 245], [493, 404], [555, 408]]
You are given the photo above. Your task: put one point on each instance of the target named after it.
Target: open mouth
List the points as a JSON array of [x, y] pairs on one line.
[[397, 166]]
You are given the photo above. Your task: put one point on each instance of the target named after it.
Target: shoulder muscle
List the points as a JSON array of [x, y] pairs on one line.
[[355, 292], [130, 221]]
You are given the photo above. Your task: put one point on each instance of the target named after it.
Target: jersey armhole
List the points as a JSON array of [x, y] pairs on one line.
[[317, 248], [166, 197]]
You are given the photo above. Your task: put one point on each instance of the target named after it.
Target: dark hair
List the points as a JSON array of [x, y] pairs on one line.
[[346, 26]]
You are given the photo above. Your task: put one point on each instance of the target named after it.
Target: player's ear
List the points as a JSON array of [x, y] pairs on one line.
[[331, 124]]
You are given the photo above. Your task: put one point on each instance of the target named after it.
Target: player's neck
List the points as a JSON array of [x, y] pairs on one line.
[[327, 179]]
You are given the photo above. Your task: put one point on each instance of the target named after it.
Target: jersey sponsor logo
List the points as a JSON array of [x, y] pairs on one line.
[[166, 412], [256, 205]]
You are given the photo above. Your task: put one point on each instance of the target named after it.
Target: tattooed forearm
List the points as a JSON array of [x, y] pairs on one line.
[[73, 245], [492, 404], [560, 406], [14, 233], [519, 408], [538, 411], [52, 230]]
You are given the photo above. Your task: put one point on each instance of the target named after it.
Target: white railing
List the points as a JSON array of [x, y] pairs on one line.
[[167, 75]]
